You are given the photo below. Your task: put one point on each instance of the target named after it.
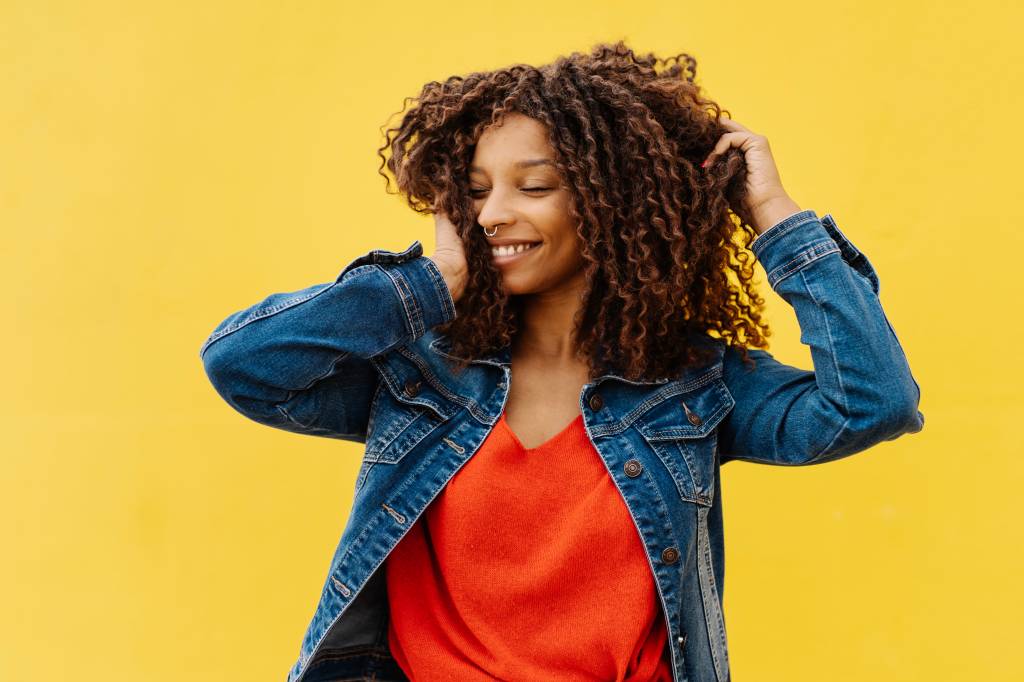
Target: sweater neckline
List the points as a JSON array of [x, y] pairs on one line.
[[553, 440]]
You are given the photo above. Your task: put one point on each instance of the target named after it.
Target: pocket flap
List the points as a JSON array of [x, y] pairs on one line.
[[687, 414]]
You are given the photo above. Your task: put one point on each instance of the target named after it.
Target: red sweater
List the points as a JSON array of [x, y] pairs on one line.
[[527, 566]]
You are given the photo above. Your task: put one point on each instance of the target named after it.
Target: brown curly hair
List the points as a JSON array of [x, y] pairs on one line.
[[658, 232]]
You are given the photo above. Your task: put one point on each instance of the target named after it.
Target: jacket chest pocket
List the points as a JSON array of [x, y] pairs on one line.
[[407, 408], [682, 430]]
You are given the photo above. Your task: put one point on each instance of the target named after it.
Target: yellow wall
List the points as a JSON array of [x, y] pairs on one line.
[[165, 164]]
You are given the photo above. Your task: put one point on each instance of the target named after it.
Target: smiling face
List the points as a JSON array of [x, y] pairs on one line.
[[518, 195]]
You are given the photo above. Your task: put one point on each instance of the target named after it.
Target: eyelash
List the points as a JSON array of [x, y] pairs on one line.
[[473, 192]]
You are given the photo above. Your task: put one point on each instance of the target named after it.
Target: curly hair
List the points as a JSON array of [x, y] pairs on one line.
[[659, 234]]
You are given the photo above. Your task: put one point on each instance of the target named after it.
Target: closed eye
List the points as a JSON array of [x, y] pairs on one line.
[[474, 192]]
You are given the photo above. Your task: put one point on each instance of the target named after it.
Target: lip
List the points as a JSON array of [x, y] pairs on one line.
[[502, 261]]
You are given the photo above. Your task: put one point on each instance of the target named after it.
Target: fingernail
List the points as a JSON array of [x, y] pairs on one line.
[[704, 165]]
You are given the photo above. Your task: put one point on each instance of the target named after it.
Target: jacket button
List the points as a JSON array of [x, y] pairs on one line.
[[596, 402], [682, 641], [670, 555], [412, 388], [633, 468]]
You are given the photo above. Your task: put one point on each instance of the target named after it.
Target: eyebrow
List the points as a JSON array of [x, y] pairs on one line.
[[528, 163]]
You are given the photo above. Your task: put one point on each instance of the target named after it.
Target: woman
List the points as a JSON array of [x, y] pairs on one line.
[[547, 399]]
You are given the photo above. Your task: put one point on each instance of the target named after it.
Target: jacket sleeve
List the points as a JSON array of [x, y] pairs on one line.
[[300, 361], [861, 391]]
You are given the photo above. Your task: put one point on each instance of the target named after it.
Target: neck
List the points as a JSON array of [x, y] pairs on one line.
[[546, 328]]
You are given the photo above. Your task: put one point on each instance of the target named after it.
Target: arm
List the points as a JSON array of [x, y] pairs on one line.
[[861, 391], [299, 361]]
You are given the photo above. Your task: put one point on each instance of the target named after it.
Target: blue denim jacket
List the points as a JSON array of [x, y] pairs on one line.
[[357, 359]]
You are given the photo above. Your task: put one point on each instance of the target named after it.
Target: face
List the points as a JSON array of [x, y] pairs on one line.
[[518, 195]]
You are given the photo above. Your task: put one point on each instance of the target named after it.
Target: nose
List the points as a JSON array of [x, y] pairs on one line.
[[495, 211]]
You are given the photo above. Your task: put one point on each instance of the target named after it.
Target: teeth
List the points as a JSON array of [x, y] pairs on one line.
[[511, 249]]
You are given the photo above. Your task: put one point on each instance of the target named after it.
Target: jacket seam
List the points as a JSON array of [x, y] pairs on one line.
[[832, 359], [765, 238], [444, 294], [259, 315], [807, 256], [409, 304]]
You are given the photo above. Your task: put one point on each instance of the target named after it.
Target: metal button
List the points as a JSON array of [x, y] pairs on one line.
[[633, 468], [412, 387], [596, 402], [670, 555], [682, 641]]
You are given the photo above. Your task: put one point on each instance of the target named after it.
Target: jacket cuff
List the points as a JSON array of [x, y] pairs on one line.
[[419, 283], [802, 238]]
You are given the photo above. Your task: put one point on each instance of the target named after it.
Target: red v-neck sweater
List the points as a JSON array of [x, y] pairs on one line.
[[527, 566]]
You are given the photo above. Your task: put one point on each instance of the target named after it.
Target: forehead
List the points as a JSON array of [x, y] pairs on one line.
[[519, 142]]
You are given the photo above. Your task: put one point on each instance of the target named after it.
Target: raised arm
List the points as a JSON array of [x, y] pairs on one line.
[[299, 361], [861, 391]]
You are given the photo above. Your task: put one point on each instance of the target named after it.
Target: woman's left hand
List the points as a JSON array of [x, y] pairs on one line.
[[766, 201]]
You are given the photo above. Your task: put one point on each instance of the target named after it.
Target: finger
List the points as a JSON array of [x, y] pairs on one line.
[[724, 142], [731, 124]]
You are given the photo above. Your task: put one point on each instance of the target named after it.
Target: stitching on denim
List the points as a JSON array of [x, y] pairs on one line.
[[357, 271], [772, 235], [802, 260], [839, 376], [355, 543], [670, 391], [384, 455], [692, 453], [354, 546], [805, 256], [364, 472], [856, 258], [418, 323], [709, 596], [707, 425], [664, 393], [831, 341], [393, 275], [260, 314], [410, 302], [428, 406], [432, 378], [668, 615], [775, 232], [689, 457], [441, 288]]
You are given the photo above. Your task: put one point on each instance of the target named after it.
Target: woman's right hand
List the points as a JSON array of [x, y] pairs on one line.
[[450, 255]]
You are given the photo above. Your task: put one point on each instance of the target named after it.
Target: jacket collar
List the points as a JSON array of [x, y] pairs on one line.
[[503, 358]]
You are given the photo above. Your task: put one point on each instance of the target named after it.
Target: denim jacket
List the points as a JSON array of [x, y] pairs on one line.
[[357, 359]]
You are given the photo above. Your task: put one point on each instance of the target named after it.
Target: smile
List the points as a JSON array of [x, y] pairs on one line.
[[508, 254]]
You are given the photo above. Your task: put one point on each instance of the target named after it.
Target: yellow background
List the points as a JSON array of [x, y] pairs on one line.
[[163, 165]]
